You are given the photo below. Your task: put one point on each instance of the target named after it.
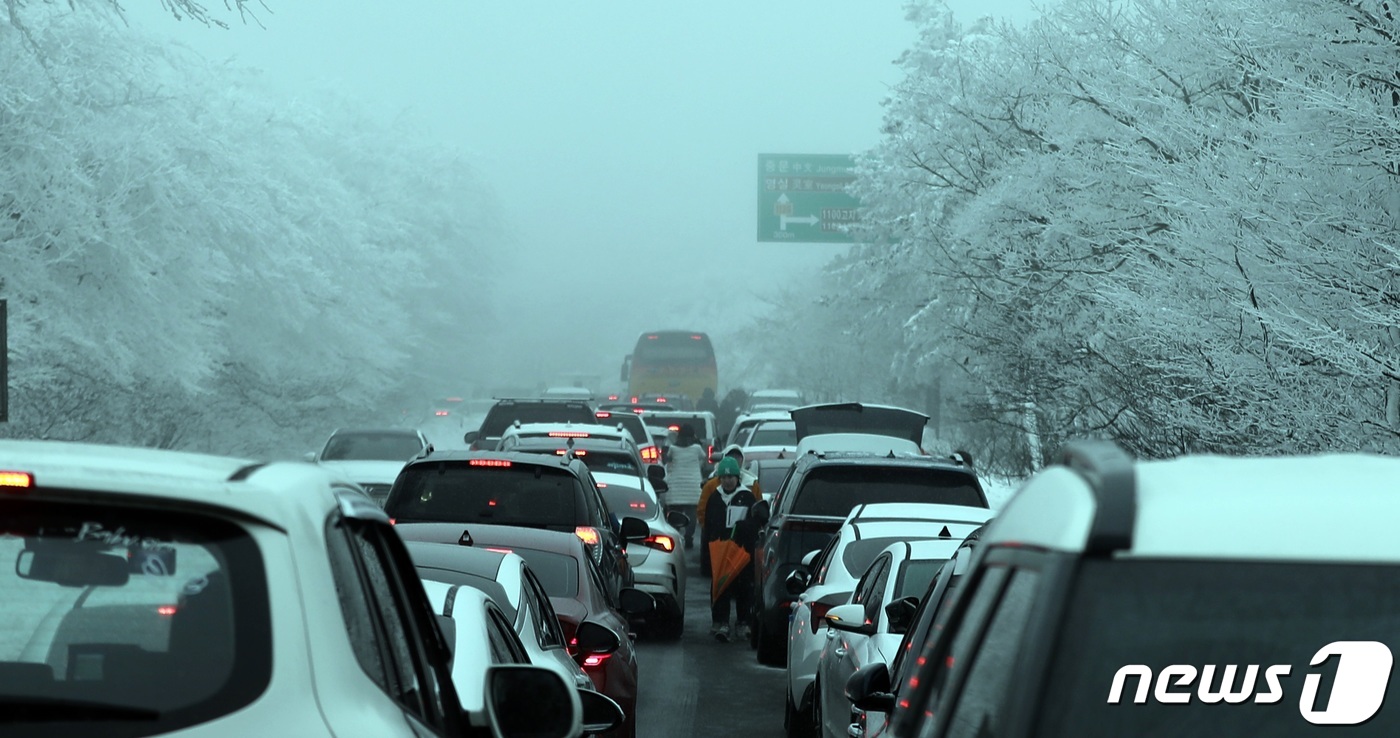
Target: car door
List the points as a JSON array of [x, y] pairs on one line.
[[844, 650], [391, 626]]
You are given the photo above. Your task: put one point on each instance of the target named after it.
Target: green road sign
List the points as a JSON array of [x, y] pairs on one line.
[[802, 198]]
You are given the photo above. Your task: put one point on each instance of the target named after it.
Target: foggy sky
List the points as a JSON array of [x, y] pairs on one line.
[[620, 139]]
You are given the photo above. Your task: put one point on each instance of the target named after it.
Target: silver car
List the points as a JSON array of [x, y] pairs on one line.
[[658, 563]]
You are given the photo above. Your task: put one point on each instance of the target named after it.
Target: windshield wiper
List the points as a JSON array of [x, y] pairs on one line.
[[22, 709]]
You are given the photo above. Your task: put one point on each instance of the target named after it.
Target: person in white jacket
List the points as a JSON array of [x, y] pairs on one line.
[[685, 474]]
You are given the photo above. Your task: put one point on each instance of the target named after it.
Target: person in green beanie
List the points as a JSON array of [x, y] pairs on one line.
[[727, 519]]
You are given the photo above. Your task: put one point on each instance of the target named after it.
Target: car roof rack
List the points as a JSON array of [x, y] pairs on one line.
[[1108, 470]]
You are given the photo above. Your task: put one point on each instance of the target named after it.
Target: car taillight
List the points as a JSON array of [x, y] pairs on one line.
[[568, 434], [166, 610], [661, 543], [16, 479], [441, 413], [651, 454], [596, 660], [588, 535], [489, 462]]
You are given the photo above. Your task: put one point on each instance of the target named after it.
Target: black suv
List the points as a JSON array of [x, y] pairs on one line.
[[816, 496], [525, 490], [526, 410]]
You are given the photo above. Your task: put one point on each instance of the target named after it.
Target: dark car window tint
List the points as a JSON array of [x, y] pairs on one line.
[[557, 573], [916, 578], [178, 622], [372, 447], [356, 608], [546, 620], [502, 416], [1157, 613], [625, 501], [769, 435], [834, 490], [983, 697], [955, 655], [404, 683], [522, 494]]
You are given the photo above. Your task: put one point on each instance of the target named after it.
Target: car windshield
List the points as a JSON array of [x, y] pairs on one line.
[[135, 615], [1200, 613], [505, 494], [627, 501], [372, 447], [916, 577], [834, 490]]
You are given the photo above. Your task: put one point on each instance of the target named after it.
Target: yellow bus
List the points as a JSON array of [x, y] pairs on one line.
[[671, 363]]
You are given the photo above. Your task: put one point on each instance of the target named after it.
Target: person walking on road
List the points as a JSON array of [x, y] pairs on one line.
[[685, 473], [727, 523], [746, 479], [708, 403]]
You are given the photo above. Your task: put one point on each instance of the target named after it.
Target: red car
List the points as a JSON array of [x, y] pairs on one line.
[[576, 590]]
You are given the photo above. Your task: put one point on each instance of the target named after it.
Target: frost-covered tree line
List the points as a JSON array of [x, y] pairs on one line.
[[1168, 222], [192, 260]]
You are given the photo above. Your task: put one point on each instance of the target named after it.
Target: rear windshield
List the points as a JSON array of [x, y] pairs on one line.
[[765, 435], [1158, 613], [834, 490], [372, 447], [558, 573], [701, 425], [858, 554], [770, 477], [632, 423], [916, 578], [522, 494], [123, 622], [624, 501], [611, 462], [501, 416]]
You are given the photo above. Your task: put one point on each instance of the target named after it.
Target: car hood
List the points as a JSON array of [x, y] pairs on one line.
[[854, 417], [361, 472]]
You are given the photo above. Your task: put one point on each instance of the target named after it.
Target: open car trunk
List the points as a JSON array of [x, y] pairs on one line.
[[854, 417]]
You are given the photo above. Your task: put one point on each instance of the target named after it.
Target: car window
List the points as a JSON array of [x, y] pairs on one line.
[[404, 681], [547, 628], [873, 597], [557, 573], [822, 563], [866, 587], [835, 489], [504, 493], [626, 500], [772, 434], [958, 649], [161, 612], [372, 447], [979, 707], [503, 415]]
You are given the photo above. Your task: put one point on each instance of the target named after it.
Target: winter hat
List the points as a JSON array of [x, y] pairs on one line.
[[728, 467]]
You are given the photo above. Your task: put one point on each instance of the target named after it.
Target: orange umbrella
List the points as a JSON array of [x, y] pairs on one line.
[[727, 562]]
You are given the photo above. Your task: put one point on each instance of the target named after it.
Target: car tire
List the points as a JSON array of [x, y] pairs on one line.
[[671, 626], [796, 724], [770, 646]]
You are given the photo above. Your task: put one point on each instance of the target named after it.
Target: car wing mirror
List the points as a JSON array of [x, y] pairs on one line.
[[595, 639], [678, 519], [869, 688], [530, 702], [600, 712], [901, 614], [797, 581], [636, 602], [471, 436], [634, 530], [849, 618]]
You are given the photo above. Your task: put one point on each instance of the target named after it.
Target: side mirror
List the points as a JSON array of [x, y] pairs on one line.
[[634, 530], [600, 713], [869, 688], [656, 474], [678, 519], [635, 601], [471, 437], [595, 639], [661, 487], [309, 456], [761, 512], [901, 614], [531, 702], [797, 581], [849, 618]]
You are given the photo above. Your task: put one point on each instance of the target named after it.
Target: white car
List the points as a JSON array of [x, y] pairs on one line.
[[481, 637], [506, 578], [770, 437], [371, 457], [865, 443], [835, 570], [658, 563], [744, 424], [157, 592], [869, 627]]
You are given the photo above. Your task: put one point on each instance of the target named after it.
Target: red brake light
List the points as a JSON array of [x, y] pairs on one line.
[[638, 410], [651, 338], [660, 399], [588, 535], [563, 451], [602, 414], [166, 610], [675, 428], [651, 454], [16, 479], [393, 521], [568, 434], [489, 462], [697, 338], [499, 550], [661, 543], [595, 660], [440, 413], [634, 400]]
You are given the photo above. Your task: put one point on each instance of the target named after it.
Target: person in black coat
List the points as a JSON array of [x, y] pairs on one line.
[[727, 518]]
